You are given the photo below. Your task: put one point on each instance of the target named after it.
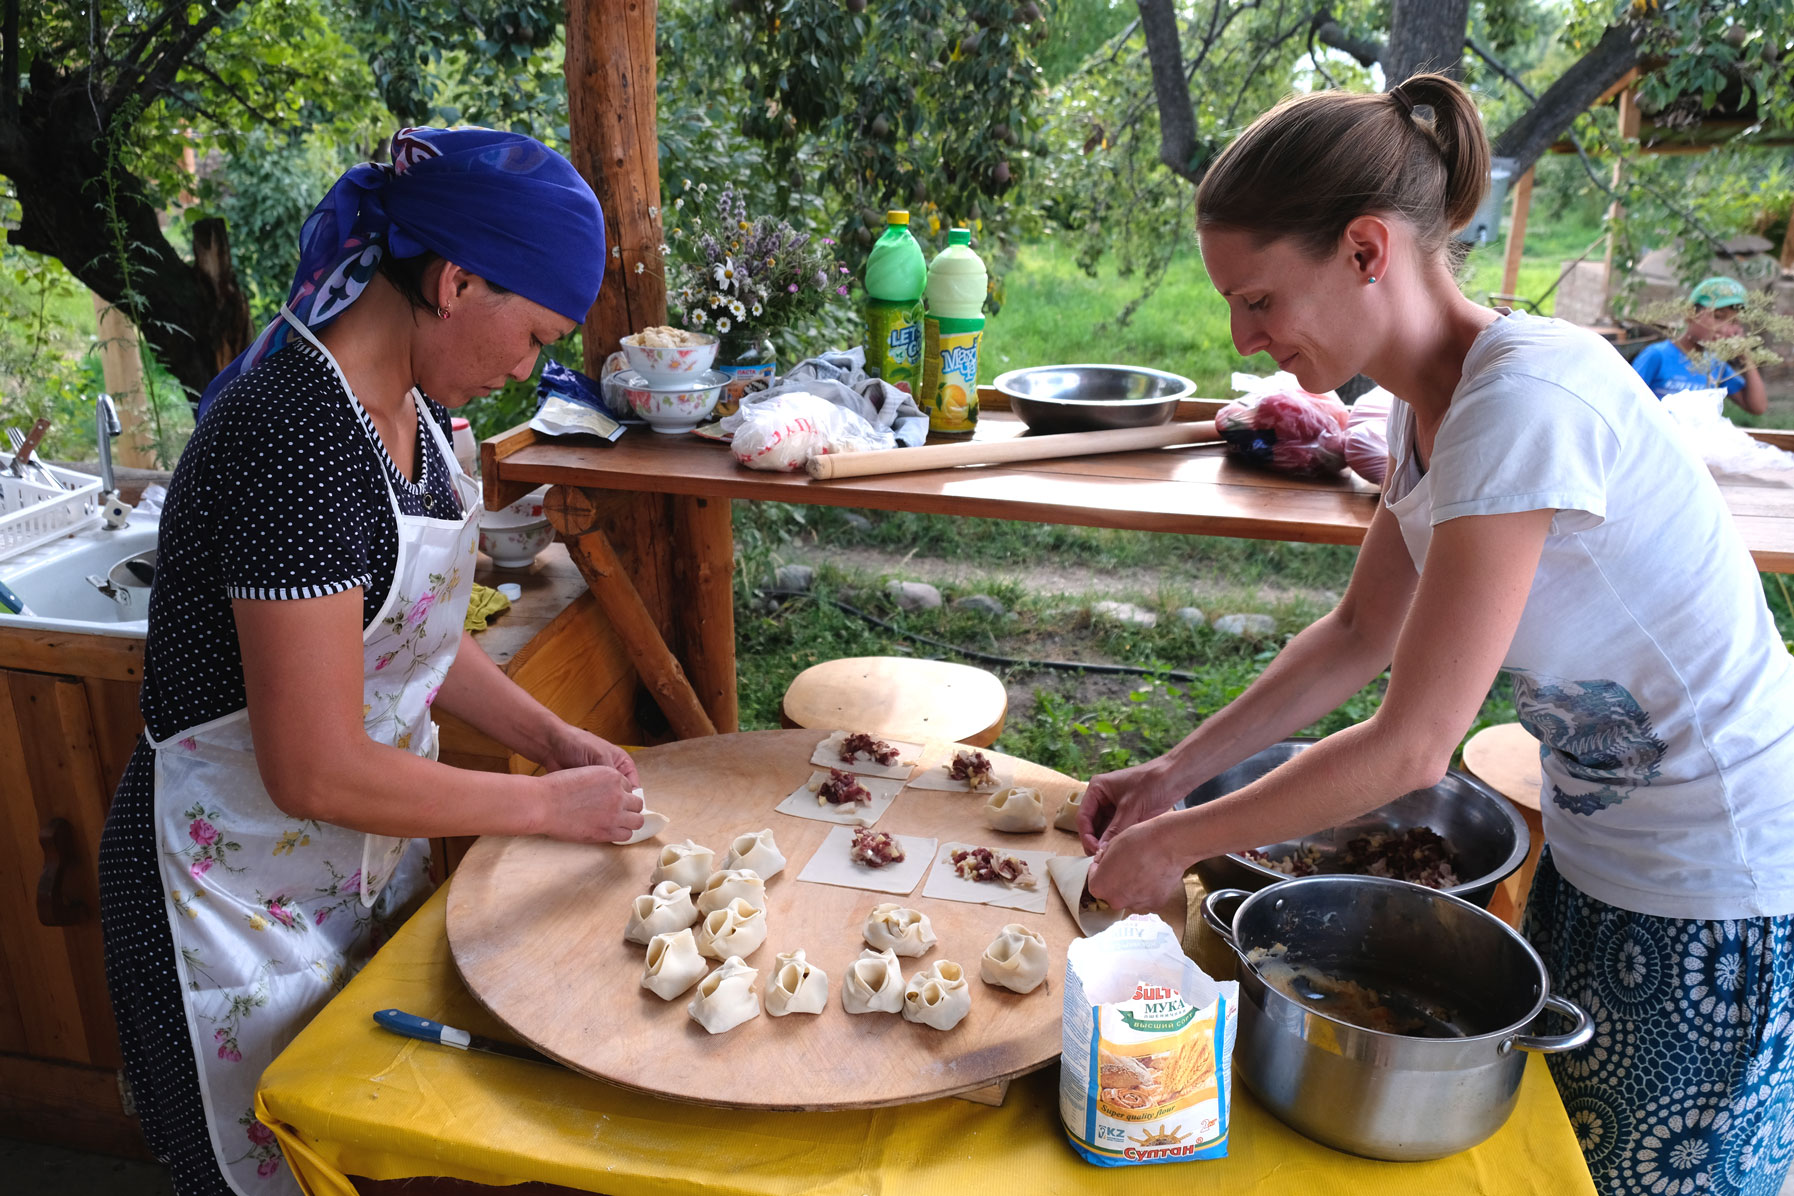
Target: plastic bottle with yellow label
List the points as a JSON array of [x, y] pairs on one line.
[[952, 333], [896, 275]]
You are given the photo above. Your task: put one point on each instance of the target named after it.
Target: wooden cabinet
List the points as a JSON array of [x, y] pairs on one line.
[[65, 737], [68, 725]]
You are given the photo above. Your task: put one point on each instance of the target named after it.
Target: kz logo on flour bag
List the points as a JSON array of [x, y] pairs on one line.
[[1147, 1072]]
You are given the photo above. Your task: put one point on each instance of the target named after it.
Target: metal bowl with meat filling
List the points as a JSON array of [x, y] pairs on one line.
[[1459, 836]]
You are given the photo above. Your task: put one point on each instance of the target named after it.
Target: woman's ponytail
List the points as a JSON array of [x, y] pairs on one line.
[[1457, 128]]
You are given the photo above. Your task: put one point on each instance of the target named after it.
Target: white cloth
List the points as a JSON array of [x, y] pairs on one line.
[[1646, 661], [272, 914]]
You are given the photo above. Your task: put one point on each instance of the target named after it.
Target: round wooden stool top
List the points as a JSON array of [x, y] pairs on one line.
[[1506, 758], [899, 698]]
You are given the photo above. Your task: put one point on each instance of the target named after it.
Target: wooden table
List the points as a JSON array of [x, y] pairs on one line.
[[648, 517]]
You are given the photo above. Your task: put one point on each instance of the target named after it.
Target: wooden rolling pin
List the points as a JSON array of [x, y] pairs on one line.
[[1000, 452]]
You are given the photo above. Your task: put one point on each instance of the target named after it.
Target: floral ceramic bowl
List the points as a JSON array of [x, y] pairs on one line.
[[513, 535], [671, 365], [674, 409]]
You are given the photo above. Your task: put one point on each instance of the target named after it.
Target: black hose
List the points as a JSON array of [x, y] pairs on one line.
[[1069, 666]]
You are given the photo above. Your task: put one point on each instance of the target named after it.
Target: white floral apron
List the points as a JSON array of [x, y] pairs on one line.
[[271, 914]]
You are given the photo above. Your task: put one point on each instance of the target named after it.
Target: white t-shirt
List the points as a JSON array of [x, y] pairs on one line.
[[1646, 661]]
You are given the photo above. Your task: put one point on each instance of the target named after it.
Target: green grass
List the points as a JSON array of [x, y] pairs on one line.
[[1054, 312]]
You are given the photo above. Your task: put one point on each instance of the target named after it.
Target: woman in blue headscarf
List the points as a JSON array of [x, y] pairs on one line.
[[316, 555]]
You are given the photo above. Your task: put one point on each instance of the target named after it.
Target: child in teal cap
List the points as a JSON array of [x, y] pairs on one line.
[[1666, 366]]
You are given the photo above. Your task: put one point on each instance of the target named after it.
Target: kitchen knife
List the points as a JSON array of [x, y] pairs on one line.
[[413, 1026], [23, 456]]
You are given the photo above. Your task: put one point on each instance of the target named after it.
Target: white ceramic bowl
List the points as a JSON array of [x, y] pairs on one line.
[[513, 535], [675, 411], [670, 366]]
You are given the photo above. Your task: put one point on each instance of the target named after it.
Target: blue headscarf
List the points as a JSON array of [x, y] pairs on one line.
[[501, 205]]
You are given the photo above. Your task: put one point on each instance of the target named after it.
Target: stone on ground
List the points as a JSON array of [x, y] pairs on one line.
[[982, 604], [1191, 615], [914, 595], [1125, 612], [856, 521], [1249, 626], [795, 577]]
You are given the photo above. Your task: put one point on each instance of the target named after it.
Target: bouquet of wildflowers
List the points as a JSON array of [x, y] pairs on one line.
[[743, 278]]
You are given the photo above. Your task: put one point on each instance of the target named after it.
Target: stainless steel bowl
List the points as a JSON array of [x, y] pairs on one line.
[[1084, 398], [1484, 829], [1388, 1096]]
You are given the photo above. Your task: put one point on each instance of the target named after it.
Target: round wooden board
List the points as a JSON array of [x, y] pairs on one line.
[[536, 929], [899, 698], [1506, 758]]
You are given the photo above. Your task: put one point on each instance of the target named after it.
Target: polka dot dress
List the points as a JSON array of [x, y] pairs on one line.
[[281, 494]]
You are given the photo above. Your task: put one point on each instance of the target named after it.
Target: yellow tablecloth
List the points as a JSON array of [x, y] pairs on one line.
[[348, 1098]]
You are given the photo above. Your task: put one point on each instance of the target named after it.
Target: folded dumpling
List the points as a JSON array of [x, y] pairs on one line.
[[1016, 959], [902, 931], [938, 997], [736, 929], [874, 984], [673, 964], [725, 998], [731, 884], [652, 824], [1067, 817], [756, 851], [687, 863], [667, 908], [797, 986], [1015, 809]]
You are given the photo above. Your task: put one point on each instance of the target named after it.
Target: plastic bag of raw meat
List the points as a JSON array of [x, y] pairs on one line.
[[1277, 424], [1367, 435]]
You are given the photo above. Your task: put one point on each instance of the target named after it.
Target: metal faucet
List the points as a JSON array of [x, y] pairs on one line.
[[106, 426], [114, 511]]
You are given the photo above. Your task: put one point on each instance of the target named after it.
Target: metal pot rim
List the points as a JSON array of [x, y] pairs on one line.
[[1512, 1030], [1507, 867]]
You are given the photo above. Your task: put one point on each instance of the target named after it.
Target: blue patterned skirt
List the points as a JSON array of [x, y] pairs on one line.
[[1688, 1086]]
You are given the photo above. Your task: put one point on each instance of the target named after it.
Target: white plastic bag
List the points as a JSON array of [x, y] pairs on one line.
[[1367, 435], [1147, 1071], [1728, 450], [783, 433]]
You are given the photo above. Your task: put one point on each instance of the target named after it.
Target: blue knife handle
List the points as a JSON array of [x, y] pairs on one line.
[[413, 1026], [12, 601]]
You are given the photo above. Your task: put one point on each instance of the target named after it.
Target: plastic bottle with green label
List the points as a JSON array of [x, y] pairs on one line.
[[896, 276], [952, 333]]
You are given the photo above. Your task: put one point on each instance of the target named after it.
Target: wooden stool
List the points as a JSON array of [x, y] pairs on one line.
[[1505, 757], [899, 697]]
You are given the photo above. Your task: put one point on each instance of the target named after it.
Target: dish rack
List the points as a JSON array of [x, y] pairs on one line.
[[32, 512]]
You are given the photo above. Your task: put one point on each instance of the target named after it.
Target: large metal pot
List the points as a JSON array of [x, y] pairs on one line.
[[1383, 1095], [1484, 829]]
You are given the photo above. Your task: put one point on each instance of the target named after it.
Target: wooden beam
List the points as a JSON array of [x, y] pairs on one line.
[[493, 449], [1788, 244], [704, 570], [1516, 234], [611, 81], [1631, 120], [121, 368], [659, 669]]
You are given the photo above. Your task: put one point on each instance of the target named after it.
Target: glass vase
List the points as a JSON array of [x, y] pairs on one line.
[[747, 357]]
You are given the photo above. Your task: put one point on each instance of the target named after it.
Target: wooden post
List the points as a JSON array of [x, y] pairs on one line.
[[1788, 244], [1516, 234], [704, 570], [121, 364], [611, 73]]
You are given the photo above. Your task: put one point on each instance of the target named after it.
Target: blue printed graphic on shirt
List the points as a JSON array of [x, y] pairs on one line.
[[1595, 731]]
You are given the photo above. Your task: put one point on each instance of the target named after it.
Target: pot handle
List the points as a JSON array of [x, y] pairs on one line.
[[1214, 919], [1551, 1044]]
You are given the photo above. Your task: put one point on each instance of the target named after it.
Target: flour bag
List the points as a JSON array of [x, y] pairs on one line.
[[1147, 1073]]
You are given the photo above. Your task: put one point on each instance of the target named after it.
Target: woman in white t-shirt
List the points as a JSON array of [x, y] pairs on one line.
[[1541, 519]]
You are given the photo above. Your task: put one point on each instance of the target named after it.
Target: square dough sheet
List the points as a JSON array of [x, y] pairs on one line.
[[803, 803], [945, 883], [936, 778], [828, 755], [833, 864]]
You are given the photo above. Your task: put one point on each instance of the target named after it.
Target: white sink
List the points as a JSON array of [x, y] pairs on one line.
[[52, 580]]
